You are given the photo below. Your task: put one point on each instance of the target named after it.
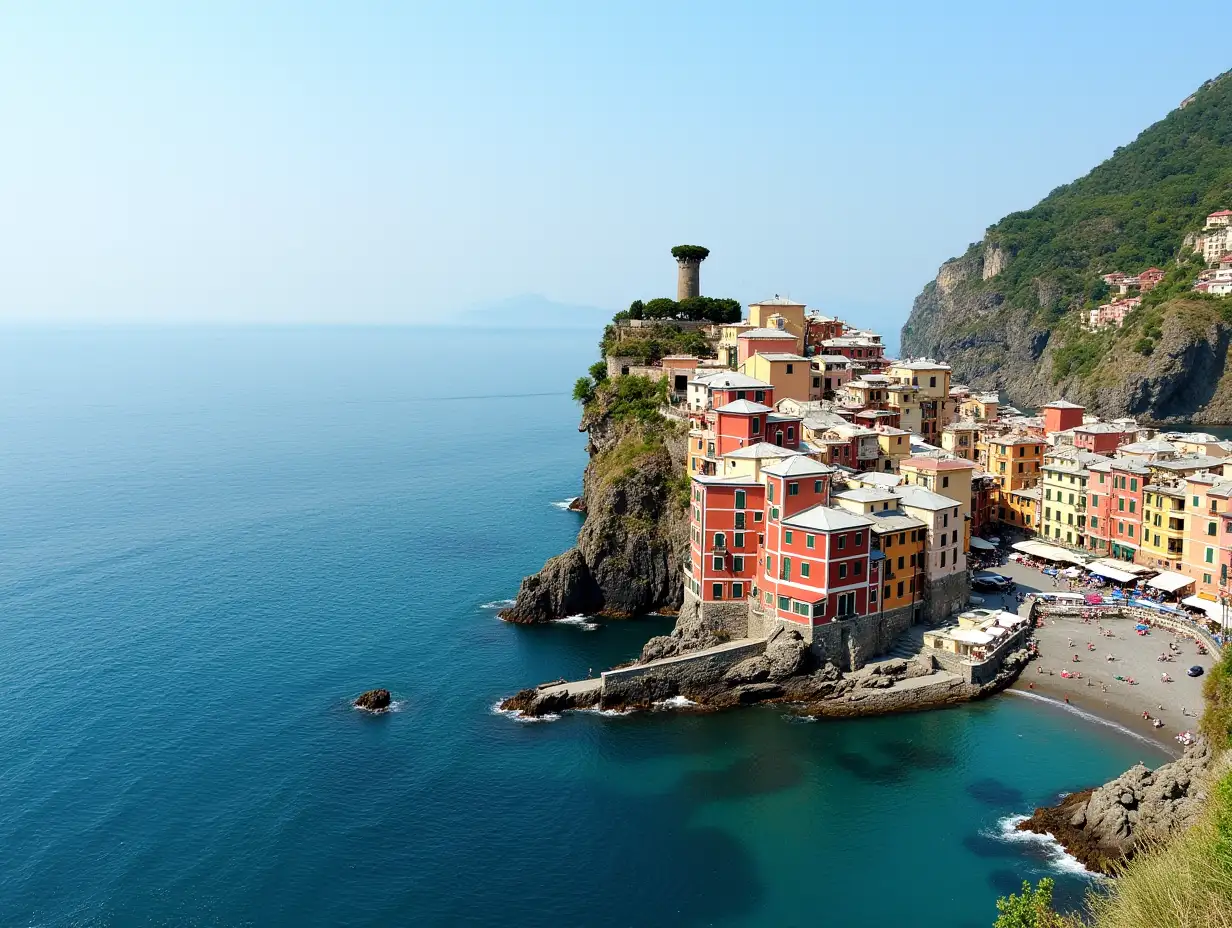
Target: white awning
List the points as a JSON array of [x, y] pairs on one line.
[[1128, 567], [1213, 610], [970, 635], [1049, 552], [1009, 620], [1170, 582], [981, 545], [1112, 573]]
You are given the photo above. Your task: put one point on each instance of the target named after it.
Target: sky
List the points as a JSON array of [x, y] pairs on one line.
[[368, 162]]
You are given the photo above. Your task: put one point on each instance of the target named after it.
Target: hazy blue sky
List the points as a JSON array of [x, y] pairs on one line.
[[362, 161]]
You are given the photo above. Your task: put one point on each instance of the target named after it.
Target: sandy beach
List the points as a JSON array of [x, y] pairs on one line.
[[1098, 691]]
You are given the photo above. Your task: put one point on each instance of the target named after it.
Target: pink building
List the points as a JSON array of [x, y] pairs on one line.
[[1112, 313], [763, 341]]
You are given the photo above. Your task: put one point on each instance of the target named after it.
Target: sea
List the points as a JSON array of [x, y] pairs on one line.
[[213, 539]]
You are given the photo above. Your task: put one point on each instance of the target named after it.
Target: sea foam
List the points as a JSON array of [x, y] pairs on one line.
[[581, 621], [674, 702], [1058, 858], [565, 503], [519, 716], [498, 604]]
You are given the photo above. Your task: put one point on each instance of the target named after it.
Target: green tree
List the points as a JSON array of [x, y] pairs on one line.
[[691, 251], [637, 309], [598, 371], [583, 390], [661, 308], [1033, 909]]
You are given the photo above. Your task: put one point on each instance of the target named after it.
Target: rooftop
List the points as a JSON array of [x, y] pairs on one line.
[[920, 498], [766, 333], [867, 495], [827, 519], [797, 466], [1063, 404], [781, 356], [743, 407], [922, 364], [895, 520], [720, 380], [777, 300], [761, 449], [931, 463]]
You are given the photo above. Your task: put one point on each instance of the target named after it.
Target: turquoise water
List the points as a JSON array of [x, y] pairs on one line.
[[213, 539]]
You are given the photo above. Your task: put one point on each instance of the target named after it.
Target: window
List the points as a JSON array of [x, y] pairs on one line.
[[740, 499], [769, 564], [787, 537], [945, 520], [846, 605], [945, 481], [791, 433], [774, 512], [858, 569], [756, 426], [737, 591], [886, 592], [804, 568], [785, 569], [859, 539], [1094, 499], [810, 541], [793, 489], [717, 562], [1130, 530], [900, 561], [942, 558], [800, 608], [1133, 484], [720, 540], [740, 520], [872, 594], [1094, 521], [738, 564], [1210, 555], [760, 396], [716, 590], [1121, 504], [842, 542], [1211, 529], [1206, 578], [1132, 504], [1195, 501], [1071, 499], [738, 542], [770, 492], [842, 571], [784, 603], [769, 599], [756, 516], [816, 486], [900, 588]]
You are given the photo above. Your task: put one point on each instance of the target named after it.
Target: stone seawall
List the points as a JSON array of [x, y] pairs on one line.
[[665, 678], [848, 644]]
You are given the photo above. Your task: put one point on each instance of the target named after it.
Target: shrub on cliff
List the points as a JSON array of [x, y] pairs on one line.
[[1033, 909]]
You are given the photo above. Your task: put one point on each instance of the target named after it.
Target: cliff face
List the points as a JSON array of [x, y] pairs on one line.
[[1007, 314], [632, 547], [993, 345]]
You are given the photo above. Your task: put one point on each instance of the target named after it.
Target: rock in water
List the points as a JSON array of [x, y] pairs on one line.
[[374, 700]]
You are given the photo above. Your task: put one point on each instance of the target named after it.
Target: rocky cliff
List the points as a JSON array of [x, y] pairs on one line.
[[1104, 826], [1007, 313], [634, 542]]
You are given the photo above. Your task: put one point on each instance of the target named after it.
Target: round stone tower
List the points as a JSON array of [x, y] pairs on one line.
[[689, 260]]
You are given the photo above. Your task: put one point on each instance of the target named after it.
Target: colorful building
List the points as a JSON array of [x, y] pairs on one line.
[[1162, 544], [753, 341], [789, 374], [948, 477], [1061, 416], [902, 540], [726, 522], [1066, 471]]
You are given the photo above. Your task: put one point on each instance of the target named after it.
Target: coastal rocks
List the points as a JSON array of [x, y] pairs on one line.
[[631, 548], [785, 656], [374, 700], [690, 633], [1105, 825]]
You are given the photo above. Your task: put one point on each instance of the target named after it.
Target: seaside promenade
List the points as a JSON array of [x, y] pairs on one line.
[[1135, 656]]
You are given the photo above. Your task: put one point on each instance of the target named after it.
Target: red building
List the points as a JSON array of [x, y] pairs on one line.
[[1062, 416], [819, 329], [763, 341], [1100, 437], [743, 423], [724, 541], [1118, 486], [1149, 279]]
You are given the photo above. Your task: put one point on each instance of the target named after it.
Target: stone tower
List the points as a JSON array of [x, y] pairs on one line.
[[689, 260]]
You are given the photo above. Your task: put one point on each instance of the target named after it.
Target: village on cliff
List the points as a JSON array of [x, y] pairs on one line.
[[832, 486]]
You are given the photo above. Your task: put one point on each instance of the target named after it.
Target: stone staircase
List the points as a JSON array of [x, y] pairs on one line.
[[909, 644]]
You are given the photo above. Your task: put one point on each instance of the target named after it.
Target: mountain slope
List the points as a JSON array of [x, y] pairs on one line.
[[1006, 313]]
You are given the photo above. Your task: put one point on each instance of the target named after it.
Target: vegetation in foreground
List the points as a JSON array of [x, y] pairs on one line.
[[1183, 882]]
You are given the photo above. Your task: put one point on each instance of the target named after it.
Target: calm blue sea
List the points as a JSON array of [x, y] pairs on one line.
[[211, 540]]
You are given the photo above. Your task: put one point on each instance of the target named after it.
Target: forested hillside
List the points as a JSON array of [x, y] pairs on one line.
[[1007, 312]]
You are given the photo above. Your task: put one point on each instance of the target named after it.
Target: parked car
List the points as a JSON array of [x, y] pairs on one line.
[[990, 582], [1195, 671]]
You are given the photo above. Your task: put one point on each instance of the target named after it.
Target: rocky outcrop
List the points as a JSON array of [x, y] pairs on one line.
[[374, 700], [634, 542], [1104, 826]]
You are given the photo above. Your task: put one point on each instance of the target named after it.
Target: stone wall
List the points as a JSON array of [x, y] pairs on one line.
[[945, 596], [848, 644], [986, 670], [631, 684], [730, 618], [618, 366]]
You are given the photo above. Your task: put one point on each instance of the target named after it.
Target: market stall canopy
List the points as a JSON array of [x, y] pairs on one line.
[[981, 545], [1213, 610], [1169, 581], [1009, 620], [1049, 552], [1112, 573]]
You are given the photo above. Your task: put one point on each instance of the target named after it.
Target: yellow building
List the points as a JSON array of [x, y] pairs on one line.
[[762, 314], [948, 477], [900, 538], [959, 439], [789, 374], [921, 394], [894, 445], [1015, 460], [729, 344], [1163, 527], [1064, 478], [982, 407]]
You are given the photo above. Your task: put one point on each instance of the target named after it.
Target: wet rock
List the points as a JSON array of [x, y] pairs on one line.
[[374, 700]]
